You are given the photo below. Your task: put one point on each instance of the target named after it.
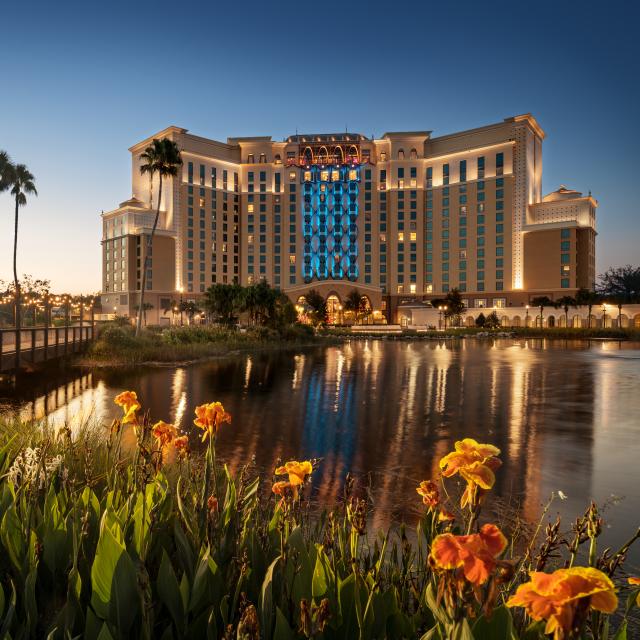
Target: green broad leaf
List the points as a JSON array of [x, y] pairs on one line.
[[224, 609], [115, 596], [283, 631], [185, 591], [212, 625], [266, 599], [323, 577], [207, 583], [169, 592], [185, 550], [105, 634], [347, 602], [462, 631], [437, 610], [11, 610], [621, 633], [499, 625], [433, 634], [229, 508], [31, 608], [13, 537], [56, 539], [302, 581]]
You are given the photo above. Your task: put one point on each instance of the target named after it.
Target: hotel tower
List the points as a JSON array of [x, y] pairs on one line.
[[402, 218]]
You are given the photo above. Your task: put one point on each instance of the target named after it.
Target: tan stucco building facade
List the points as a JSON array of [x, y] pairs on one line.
[[403, 218]]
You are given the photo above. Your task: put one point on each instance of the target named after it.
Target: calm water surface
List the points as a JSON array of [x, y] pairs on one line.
[[566, 415]]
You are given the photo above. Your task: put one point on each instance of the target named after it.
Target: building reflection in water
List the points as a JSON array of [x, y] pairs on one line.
[[562, 413]]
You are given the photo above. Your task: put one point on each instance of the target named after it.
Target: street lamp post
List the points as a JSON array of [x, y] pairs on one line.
[[439, 318], [181, 290], [526, 318], [604, 316], [445, 317]]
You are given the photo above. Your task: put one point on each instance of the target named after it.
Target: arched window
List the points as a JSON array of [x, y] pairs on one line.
[[383, 156], [263, 158], [323, 155], [307, 155], [413, 154], [251, 158], [353, 153], [277, 159], [400, 154]]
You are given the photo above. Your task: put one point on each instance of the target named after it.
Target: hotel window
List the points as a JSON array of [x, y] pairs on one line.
[[251, 158], [463, 170], [263, 158], [481, 167], [565, 258], [429, 177], [400, 154], [190, 172], [499, 163], [413, 154], [564, 283], [201, 174], [292, 175], [565, 245], [400, 236], [277, 159], [445, 174], [383, 156], [565, 233]]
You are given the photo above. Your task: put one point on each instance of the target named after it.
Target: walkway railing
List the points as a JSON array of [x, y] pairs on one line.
[[39, 344]]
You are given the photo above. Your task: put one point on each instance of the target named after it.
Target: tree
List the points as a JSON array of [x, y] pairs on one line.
[[190, 308], [223, 301], [481, 321], [285, 313], [565, 302], [317, 308], [492, 321], [541, 302], [455, 307], [621, 284], [20, 182], [161, 157], [588, 298], [146, 306], [352, 302]]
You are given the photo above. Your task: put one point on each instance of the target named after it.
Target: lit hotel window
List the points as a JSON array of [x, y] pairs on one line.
[[412, 288], [335, 176], [250, 208], [324, 176], [353, 174], [383, 156], [400, 236], [292, 175], [429, 288], [250, 239], [307, 176], [292, 259], [400, 288], [413, 236]]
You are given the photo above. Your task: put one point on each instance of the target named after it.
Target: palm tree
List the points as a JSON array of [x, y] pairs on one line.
[[589, 298], [161, 157], [542, 302], [21, 182], [353, 302], [565, 302]]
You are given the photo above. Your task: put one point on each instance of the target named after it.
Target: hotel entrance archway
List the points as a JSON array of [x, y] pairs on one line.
[[334, 309]]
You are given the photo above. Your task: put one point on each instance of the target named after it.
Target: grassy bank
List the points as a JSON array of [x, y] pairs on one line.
[[118, 345], [150, 540], [518, 332]]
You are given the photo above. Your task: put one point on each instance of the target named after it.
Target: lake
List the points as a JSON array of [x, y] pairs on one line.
[[566, 415]]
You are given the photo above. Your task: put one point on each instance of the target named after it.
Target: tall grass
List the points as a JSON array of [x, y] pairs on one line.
[[119, 344], [102, 539]]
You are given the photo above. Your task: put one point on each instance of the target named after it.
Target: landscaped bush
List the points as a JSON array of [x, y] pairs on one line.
[[150, 540]]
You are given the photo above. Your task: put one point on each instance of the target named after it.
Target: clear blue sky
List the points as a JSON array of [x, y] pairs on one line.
[[82, 81]]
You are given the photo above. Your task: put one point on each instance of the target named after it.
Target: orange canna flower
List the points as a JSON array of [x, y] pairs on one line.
[[209, 417], [281, 487], [297, 471], [128, 400], [445, 516], [163, 432], [430, 494], [475, 554], [635, 582], [212, 504], [181, 445], [555, 597], [476, 463]]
